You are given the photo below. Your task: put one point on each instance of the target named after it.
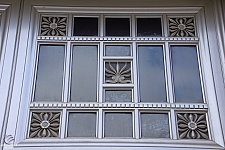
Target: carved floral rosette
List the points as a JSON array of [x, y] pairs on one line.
[[192, 126], [44, 124], [53, 26]]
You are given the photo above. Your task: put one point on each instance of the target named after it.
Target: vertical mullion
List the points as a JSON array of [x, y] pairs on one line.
[[101, 26], [136, 124], [169, 74], [173, 124], [66, 93], [70, 25], [101, 73], [133, 26], [135, 76], [63, 124], [100, 123], [165, 29]]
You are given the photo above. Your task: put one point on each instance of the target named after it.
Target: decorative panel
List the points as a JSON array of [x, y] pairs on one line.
[[44, 124], [53, 26], [192, 126], [182, 27]]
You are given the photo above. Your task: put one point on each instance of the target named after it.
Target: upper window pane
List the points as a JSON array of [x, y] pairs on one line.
[[122, 50], [84, 74], [85, 26], [117, 27], [151, 73], [49, 79], [186, 74], [149, 27], [118, 95]]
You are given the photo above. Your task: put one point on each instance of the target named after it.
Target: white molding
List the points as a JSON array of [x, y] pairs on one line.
[[117, 10], [144, 39]]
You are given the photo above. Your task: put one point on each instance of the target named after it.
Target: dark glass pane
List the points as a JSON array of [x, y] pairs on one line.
[[117, 26], [84, 74], [123, 50], [149, 27], [186, 74], [118, 125], [82, 125], [49, 82], [84, 26], [118, 95], [154, 125], [151, 74]]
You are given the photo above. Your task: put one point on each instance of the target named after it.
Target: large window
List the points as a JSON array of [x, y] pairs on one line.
[[118, 77]]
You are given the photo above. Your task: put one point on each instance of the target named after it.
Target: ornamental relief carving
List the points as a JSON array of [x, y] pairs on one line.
[[44, 124], [117, 72], [181, 27], [53, 26], [9, 139], [192, 126]]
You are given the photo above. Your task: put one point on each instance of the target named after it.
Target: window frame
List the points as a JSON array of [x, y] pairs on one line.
[[19, 141]]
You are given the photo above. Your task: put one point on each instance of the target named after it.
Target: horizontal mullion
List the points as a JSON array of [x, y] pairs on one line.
[[119, 105], [115, 39]]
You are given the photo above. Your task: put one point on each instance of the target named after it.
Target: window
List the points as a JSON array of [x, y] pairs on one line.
[[126, 80]]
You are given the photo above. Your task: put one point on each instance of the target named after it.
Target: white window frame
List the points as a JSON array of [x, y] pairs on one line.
[[214, 119]]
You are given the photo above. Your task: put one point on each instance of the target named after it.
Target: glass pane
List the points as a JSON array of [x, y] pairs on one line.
[[118, 96], [186, 74], [151, 74], [49, 80], [154, 125], [123, 50], [117, 26], [118, 125], [149, 27], [84, 26], [82, 125], [84, 74]]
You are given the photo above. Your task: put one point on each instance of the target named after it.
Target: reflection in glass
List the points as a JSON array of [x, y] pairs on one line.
[[118, 125], [49, 79], [118, 96], [123, 50], [154, 125], [84, 74], [149, 27], [186, 74], [85, 26], [82, 124], [117, 27], [151, 74]]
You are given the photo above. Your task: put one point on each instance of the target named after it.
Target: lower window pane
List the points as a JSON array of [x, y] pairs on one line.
[[154, 125], [118, 95], [118, 125], [82, 124]]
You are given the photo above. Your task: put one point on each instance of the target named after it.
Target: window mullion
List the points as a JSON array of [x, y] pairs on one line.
[[63, 128], [100, 123], [173, 124], [66, 92], [169, 74], [136, 124]]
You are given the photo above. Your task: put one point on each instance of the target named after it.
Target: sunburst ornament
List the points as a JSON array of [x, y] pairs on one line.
[[53, 26], [181, 27], [192, 126], [44, 124]]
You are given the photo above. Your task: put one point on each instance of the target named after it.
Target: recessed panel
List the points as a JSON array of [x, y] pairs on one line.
[[82, 124], [154, 125], [151, 74], [118, 125], [186, 75], [118, 96], [149, 27], [117, 27], [49, 79], [85, 26], [123, 50], [84, 74]]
